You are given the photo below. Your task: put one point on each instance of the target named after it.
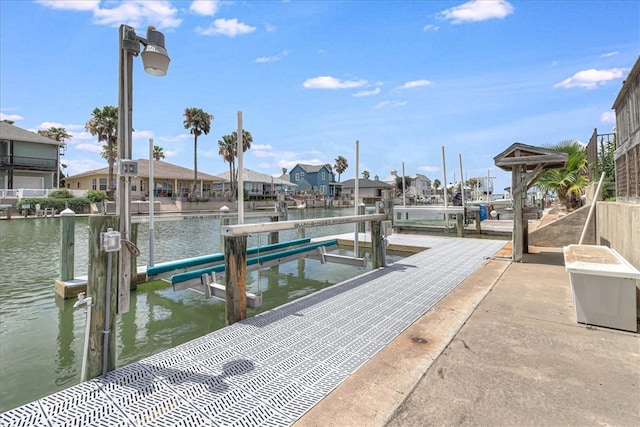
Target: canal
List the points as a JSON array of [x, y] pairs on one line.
[[41, 335]]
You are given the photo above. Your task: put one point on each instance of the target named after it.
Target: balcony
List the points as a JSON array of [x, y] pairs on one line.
[[29, 163]]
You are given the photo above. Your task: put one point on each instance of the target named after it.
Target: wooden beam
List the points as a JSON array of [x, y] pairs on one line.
[[560, 158], [235, 253]]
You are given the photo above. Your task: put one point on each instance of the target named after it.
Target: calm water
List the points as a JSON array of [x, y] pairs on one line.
[[41, 335]]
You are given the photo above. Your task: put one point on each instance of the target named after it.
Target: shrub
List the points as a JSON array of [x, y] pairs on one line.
[[76, 204], [96, 196], [62, 193]]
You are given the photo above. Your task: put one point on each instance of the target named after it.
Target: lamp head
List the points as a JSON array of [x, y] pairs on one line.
[[154, 56]]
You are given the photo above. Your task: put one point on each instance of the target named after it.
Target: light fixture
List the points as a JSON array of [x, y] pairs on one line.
[[154, 56]]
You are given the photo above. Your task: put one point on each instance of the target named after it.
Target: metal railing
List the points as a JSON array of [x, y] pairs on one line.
[[28, 163]]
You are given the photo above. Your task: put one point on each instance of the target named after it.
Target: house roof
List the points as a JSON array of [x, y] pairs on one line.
[[519, 154], [365, 183], [161, 170], [626, 85], [10, 132], [311, 168], [249, 175]]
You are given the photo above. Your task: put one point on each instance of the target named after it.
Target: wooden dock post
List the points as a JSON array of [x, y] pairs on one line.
[[361, 225], [460, 225], [274, 236], [377, 254], [96, 289], [67, 243], [235, 254]]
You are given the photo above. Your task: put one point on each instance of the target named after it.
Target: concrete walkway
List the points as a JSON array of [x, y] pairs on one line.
[[503, 348]]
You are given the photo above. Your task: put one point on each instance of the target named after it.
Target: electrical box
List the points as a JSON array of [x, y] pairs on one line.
[[128, 167], [387, 228], [110, 241]]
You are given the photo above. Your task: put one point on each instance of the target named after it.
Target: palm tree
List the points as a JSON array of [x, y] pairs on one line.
[[198, 122], [366, 174], [568, 182], [436, 185], [158, 153], [341, 166], [104, 124], [60, 135], [228, 149]]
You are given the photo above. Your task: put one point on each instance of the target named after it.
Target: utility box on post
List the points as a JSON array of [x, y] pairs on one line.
[[603, 286]]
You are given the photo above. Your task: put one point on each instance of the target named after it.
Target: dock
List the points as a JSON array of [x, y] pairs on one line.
[[273, 368]]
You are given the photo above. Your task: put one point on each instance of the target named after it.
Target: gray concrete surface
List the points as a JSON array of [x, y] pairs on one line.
[[502, 349]]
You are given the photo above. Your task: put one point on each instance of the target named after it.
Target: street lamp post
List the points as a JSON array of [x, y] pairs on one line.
[[156, 62]]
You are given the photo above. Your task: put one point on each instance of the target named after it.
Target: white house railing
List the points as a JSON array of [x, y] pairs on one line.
[[23, 193]]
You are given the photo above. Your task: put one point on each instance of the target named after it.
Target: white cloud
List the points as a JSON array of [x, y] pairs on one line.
[[609, 54], [274, 58], [429, 168], [87, 5], [95, 148], [608, 117], [69, 128], [226, 27], [136, 13], [260, 147], [204, 7], [477, 10], [430, 27], [375, 91], [11, 117], [590, 79], [391, 104], [415, 83], [139, 14], [328, 82]]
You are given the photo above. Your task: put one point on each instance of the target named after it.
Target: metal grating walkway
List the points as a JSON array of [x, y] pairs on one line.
[[270, 369]]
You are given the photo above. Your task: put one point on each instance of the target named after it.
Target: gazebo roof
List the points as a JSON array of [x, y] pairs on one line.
[[519, 154]]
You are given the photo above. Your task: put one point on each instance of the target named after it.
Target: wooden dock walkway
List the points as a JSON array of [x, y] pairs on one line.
[[270, 369]]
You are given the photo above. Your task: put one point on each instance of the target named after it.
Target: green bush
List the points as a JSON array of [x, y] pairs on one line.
[[76, 204], [96, 196], [62, 193]]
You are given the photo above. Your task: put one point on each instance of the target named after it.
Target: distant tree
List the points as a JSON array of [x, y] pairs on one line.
[[60, 135], [198, 122], [569, 182], [329, 167], [228, 149], [8, 121], [284, 171], [104, 124], [407, 184], [340, 166], [366, 174], [436, 185], [158, 153]]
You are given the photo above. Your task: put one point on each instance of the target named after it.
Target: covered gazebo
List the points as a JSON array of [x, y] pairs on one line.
[[527, 164]]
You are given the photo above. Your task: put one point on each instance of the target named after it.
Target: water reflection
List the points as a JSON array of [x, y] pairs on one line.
[[41, 337]]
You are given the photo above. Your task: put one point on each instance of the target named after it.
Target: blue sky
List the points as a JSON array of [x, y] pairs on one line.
[[311, 77]]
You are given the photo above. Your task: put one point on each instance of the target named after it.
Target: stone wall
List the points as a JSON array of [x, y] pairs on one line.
[[618, 227]]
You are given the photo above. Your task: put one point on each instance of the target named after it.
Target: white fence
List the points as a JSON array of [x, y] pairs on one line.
[[23, 193]]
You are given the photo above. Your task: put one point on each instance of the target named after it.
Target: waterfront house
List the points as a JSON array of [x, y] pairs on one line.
[[369, 191], [318, 179], [169, 180], [627, 154], [257, 185], [27, 160]]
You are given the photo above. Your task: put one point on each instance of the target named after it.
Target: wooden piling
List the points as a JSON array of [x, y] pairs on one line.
[[96, 289], [274, 236], [235, 253], [361, 225], [377, 254], [460, 225], [67, 244]]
